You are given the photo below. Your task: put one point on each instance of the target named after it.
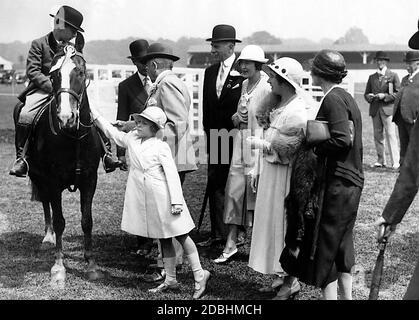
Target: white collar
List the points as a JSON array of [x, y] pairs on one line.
[[383, 71], [227, 63], [162, 75], [142, 77], [414, 73]]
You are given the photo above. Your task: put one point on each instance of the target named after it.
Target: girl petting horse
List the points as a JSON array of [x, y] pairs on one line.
[[154, 206]]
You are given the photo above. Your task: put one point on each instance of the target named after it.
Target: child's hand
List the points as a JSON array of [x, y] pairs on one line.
[[177, 209]]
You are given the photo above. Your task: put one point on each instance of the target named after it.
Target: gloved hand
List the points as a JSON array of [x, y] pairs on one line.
[[177, 209], [384, 229], [257, 143], [254, 179], [380, 95]]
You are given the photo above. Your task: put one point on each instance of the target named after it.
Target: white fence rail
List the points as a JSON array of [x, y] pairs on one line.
[[103, 89]]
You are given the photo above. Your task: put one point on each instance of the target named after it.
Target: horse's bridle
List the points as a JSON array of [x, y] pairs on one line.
[[70, 51]]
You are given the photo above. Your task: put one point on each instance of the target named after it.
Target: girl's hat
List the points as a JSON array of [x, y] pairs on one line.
[[253, 53], [288, 68], [154, 114]]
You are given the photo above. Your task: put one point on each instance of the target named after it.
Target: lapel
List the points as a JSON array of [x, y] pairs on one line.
[[51, 43], [231, 80]]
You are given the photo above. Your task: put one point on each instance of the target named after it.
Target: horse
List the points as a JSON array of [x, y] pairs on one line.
[[64, 153]]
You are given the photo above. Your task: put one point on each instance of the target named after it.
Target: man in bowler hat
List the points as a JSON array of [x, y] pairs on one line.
[[67, 30], [132, 92], [406, 106], [404, 191], [221, 93], [380, 93]]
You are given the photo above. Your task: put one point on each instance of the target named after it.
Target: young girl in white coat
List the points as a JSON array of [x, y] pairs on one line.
[[154, 206]]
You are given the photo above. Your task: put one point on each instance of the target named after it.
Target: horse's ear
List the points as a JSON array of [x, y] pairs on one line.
[[79, 45]]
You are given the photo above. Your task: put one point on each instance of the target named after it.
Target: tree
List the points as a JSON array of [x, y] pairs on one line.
[[262, 37], [353, 36]]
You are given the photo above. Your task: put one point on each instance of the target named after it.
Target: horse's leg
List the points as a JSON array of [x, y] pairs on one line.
[[49, 238], [87, 190], [58, 222]]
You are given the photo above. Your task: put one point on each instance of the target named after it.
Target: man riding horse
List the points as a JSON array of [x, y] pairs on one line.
[[67, 28]]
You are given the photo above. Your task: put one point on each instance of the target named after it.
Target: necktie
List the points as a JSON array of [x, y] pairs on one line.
[[147, 85], [220, 82]]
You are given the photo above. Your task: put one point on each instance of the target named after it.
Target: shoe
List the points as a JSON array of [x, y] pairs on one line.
[[287, 293], [276, 284], [224, 257], [377, 165], [165, 287], [156, 276], [201, 286], [109, 164], [209, 242]]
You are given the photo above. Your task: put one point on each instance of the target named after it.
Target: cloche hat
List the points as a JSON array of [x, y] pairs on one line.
[[288, 68], [253, 53], [154, 114]]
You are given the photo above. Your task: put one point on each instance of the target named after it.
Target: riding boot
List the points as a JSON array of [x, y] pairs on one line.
[[20, 166], [109, 164]]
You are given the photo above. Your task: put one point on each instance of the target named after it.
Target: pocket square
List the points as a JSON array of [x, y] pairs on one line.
[[236, 86]]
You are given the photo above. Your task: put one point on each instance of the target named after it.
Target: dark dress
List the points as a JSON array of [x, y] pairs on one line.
[[338, 166]]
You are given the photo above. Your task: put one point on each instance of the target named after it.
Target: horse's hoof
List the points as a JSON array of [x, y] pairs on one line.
[[94, 275], [58, 275]]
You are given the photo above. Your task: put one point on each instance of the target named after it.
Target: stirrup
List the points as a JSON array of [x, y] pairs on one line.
[[13, 172]]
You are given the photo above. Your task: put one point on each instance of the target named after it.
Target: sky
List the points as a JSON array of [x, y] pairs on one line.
[[382, 21]]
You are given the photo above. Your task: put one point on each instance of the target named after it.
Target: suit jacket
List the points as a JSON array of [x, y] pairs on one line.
[[406, 105], [171, 94], [377, 84], [217, 112], [131, 99], [38, 63]]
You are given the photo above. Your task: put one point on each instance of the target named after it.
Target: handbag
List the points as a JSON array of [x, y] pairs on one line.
[[318, 131]]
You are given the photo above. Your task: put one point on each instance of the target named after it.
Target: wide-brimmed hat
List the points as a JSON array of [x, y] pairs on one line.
[[411, 56], [287, 68], [138, 49], [223, 32], [381, 55], [70, 16], [159, 50], [154, 114], [253, 52], [414, 40], [329, 64]]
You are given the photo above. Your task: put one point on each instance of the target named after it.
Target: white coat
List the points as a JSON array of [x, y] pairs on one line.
[[153, 185]]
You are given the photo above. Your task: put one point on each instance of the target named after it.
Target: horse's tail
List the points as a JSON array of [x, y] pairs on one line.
[[36, 196]]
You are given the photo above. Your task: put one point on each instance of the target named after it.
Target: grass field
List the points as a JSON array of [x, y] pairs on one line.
[[24, 269]]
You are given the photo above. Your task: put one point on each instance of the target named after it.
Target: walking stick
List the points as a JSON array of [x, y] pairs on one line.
[[379, 264], [204, 206]]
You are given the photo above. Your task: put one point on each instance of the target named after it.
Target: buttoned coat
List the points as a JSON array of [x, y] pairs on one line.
[[171, 94], [132, 97], [153, 185], [376, 84]]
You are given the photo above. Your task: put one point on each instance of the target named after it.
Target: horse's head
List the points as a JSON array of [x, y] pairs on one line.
[[68, 76]]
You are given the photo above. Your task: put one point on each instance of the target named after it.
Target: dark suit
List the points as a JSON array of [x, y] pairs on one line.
[[406, 110], [381, 111], [217, 114], [131, 99], [404, 192]]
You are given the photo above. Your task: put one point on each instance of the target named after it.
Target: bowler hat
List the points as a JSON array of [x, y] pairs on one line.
[[381, 55], [414, 40], [223, 32], [70, 16], [159, 50], [411, 56], [138, 49]]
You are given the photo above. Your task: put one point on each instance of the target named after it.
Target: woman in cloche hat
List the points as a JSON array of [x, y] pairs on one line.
[[153, 176]]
